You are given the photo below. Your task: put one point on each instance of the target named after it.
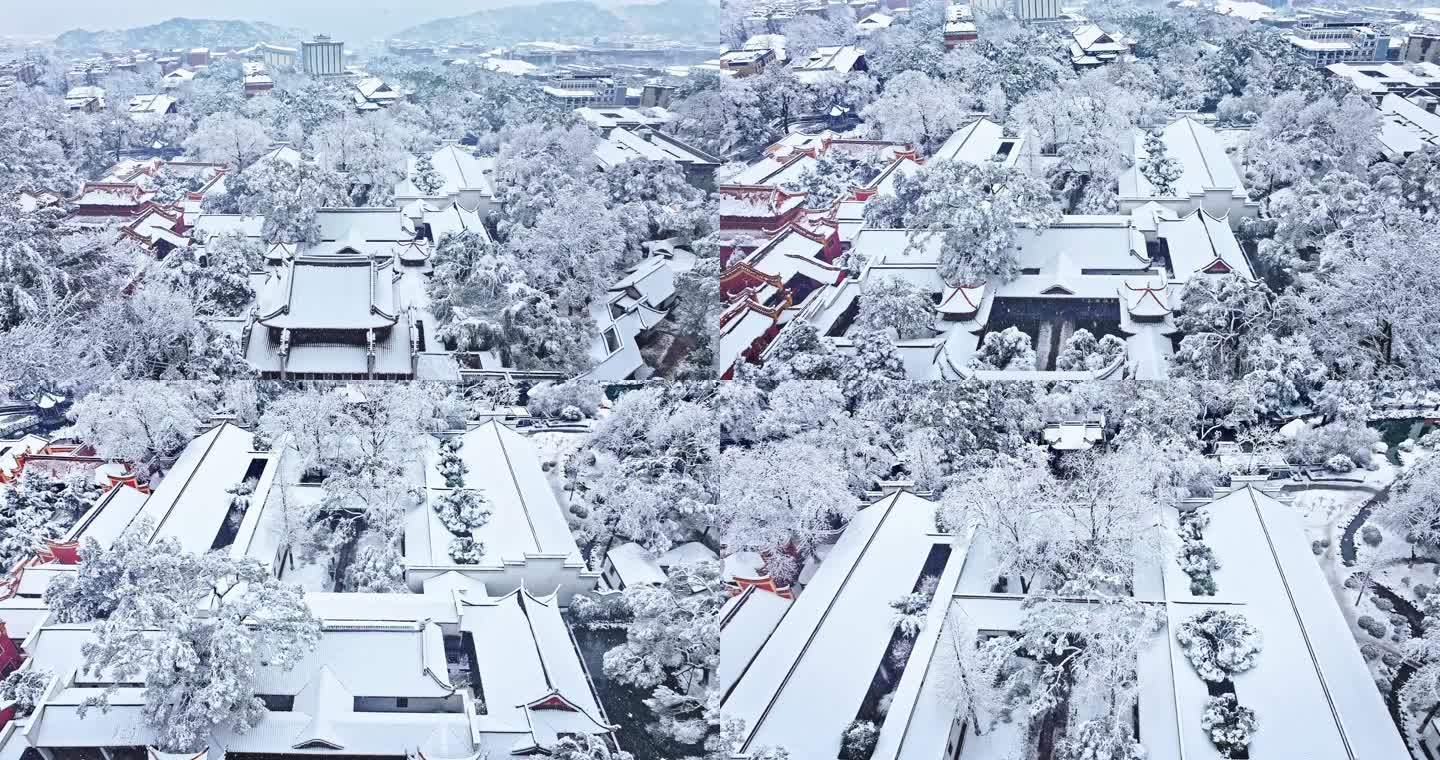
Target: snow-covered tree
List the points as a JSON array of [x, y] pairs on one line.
[[585, 747], [426, 177], [1377, 301], [1083, 352], [783, 499], [872, 370], [1099, 740], [228, 138], [1008, 349], [1229, 724], [1219, 644], [369, 151], [554, 399], [858, 740], [976, 211], [895, 304], [917, 109], [217, 277], [652, 482], [195, 629], [671, 642], [1414, 504], [1007, 505], [136, 421], [1160, 169], [25, 687], [1218, 316]]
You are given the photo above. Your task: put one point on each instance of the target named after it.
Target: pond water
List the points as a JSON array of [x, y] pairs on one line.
[[1392, 432]]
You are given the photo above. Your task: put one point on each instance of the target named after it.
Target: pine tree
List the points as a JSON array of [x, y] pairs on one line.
[[427, 178], [1158, 167]]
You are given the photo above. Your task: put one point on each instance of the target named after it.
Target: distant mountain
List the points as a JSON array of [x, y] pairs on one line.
[[679, 19], [572, 21], [177, 33]]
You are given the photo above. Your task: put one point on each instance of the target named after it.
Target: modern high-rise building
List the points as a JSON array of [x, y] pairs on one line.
[[323, 57]]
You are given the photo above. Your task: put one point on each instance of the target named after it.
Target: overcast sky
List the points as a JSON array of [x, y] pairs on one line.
[[359, 19]]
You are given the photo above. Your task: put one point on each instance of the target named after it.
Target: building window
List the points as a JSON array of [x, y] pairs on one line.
[[612, 340]]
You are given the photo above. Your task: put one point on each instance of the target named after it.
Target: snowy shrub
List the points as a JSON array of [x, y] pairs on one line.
[[1008, 349], [1229, 724], [451, 466], [571, 413], [554, 400], [1099, 740], [1390, 659], [1371, 626], [1371, 535], [25, 688], [1406, 445], [1219, 644], [910, 613], [462, 511], [1383, 604], [1198, 561], [1193, 524], [1196, 558], [1369, 650], [1401, 625], [1316, 548], [466, 550], [1351, 438], [1339, 463], [595, 610], [858, 740], [1352, 582], [1422, 591], [1084, 352]]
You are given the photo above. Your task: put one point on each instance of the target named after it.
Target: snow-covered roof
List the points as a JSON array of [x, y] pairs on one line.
[[338, 293], [151, 105], [191, 501], [1204, 164], [535, 686], [1406, 125], [795, 693], [458, 168], [841, 59], [109, 517], [623, 145], [635, 565], [526, 519], [746, 621], [609, 117], [1310, 687], [980, 141]]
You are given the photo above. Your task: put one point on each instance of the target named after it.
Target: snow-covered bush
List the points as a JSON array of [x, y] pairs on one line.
[[1369, 650], [858, 740], [466, 550], [1422, 590], [1198, 561], [1351, 438], [910, 612], [462, 510], [1008, 349], [452, 468], [1371, 626], [1340, 463], [25, 688], [1099, 740], [1371, 535], [1390, 659], [1384, 605], [595, 610], [1219, 644], [1084, 352], [1229, 723], [552, 400]]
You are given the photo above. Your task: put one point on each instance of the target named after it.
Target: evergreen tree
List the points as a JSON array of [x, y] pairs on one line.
[[427, 179], [1158, 167]]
